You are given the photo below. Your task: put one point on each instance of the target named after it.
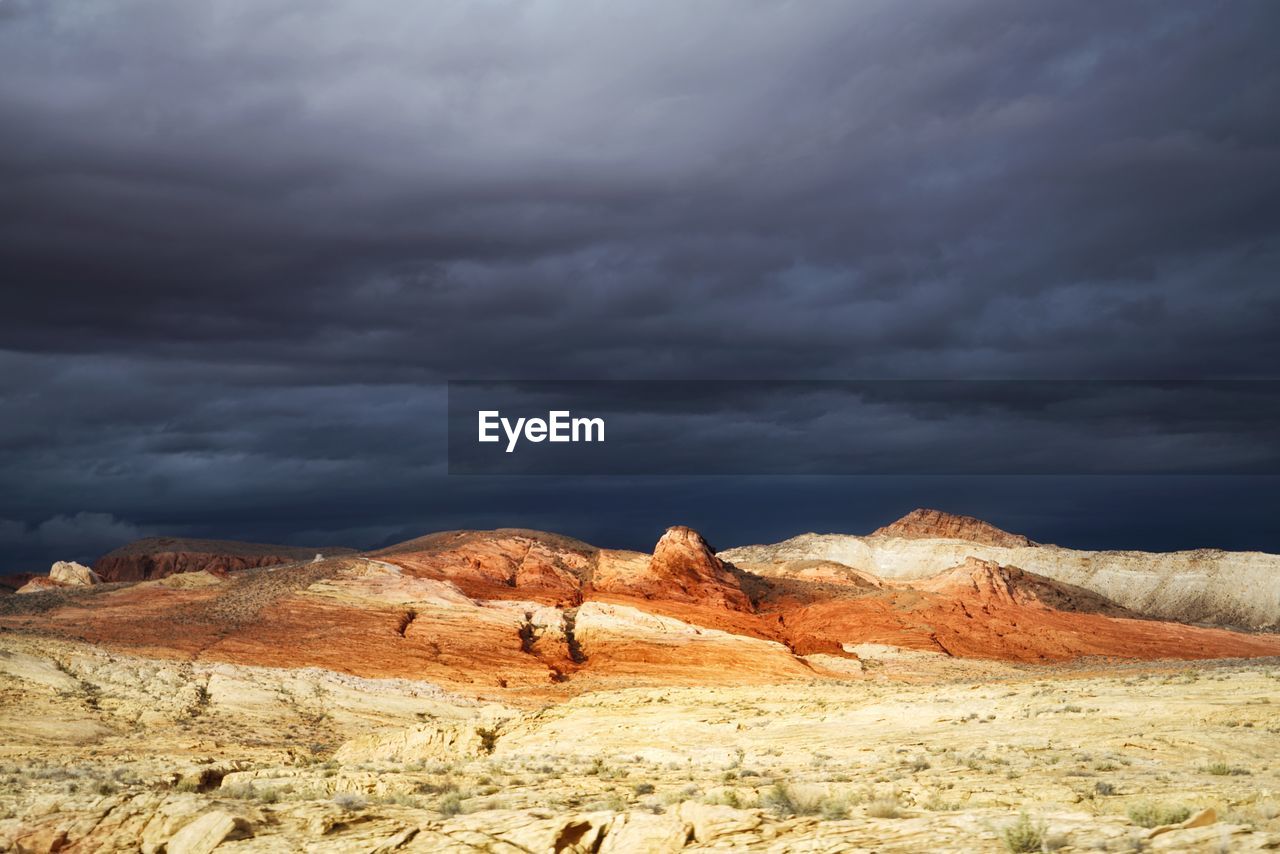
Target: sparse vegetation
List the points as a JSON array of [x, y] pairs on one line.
[[450, 804], [1150, 814], [873, 779], [1222, 769], [1023, 835], [884, 807], [349, 801]]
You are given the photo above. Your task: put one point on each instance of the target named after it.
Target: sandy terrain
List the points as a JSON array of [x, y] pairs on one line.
[[104, 751]]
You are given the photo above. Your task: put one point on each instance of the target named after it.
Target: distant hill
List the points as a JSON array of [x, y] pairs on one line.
[[157, 557], [1199, 586], [545, 615]]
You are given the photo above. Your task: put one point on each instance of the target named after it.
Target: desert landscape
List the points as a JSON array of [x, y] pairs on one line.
[[936, 685]]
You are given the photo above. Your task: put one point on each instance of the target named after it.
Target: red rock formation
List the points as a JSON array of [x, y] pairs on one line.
[[10, 583], [984, 583], [683, 569], [935, 524], [509, 563], [533, 614], [156, 557], [39, 584]]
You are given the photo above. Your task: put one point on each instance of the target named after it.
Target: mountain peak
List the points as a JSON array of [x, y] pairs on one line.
[[924, 523], [684, 564]]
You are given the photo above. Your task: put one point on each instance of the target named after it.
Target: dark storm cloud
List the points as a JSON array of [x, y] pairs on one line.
[[241, 241]]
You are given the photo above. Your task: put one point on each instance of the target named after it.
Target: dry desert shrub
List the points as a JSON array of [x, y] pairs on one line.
[[1023, 835], [349, 801], [785, 801], [450, 804], [1150, 814], [884, 807], [1222, 769]]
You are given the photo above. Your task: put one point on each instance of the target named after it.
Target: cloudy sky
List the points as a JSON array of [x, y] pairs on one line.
[[243, 245]]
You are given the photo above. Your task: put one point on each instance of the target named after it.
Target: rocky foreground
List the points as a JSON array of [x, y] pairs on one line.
[[109, 752]]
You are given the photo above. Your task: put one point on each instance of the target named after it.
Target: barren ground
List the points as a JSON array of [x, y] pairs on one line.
[[105, 751]]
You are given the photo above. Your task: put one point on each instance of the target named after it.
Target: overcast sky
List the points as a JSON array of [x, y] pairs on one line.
[[242, 244]]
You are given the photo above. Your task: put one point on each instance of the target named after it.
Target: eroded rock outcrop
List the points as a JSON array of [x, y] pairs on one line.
[[985, 582], [73, 574], [534, 614], [436, 740], [683, 568], [925, 524], [63, 574], [508, 563]]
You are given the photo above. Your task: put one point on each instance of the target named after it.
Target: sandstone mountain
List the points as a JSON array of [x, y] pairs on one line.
[[156, 557], [1200, 586], [527, 615], [924, 524]]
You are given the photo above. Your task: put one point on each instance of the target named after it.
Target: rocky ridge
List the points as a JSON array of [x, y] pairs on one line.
[[157, 557], [1210, 586], [529, 615]]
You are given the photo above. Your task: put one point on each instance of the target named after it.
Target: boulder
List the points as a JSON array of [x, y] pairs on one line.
[[207, 832], [437, 740], [73, 574]]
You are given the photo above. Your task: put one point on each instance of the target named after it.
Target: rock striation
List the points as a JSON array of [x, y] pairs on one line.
[[1235, 589], [538, 615], [985, 581], [507, 563], [685, 568]]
